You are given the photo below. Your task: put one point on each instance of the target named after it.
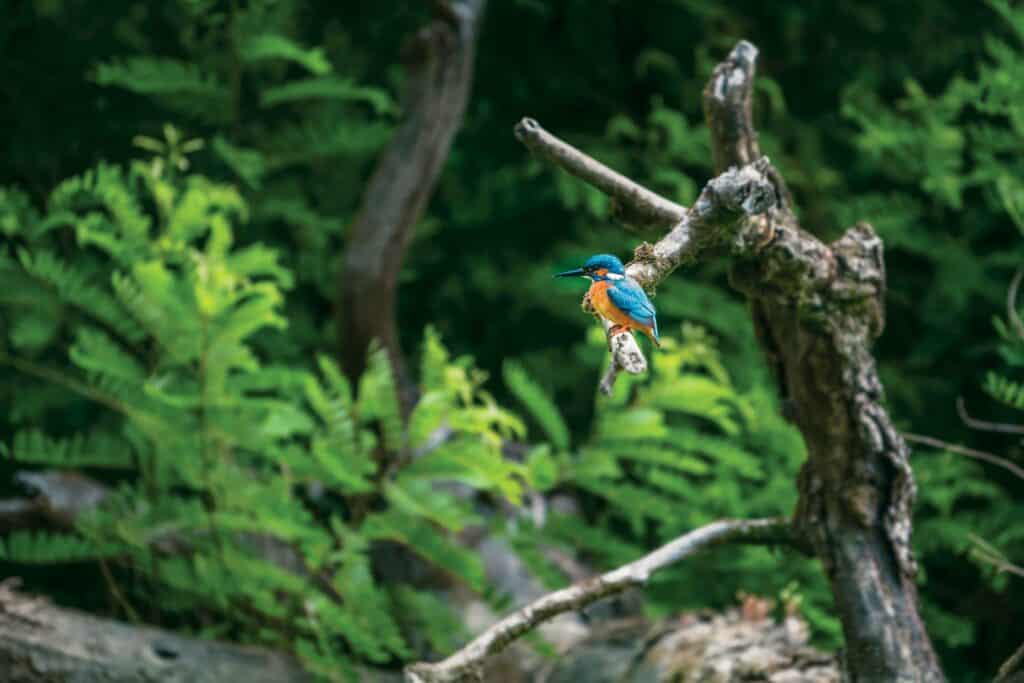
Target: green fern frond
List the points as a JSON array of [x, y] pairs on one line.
[[1005, 390], [315, 140], [248, 164], [421, 499], [154, 76], [378, 398], [93, 449], [537, 402], [329, 88], [180, 85], [96, 352], [74, 287], [431, 618], [274, 46], [26, 547], [421, 537]]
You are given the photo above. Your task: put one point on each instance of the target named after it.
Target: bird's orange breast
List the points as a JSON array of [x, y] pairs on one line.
[[604, 306]]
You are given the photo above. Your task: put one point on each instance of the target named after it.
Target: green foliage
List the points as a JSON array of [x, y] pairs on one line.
[[249, 493], [41, 548], [540, 407]]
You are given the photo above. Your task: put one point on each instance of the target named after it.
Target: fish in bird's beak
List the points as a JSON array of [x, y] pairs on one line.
[[575, 272]]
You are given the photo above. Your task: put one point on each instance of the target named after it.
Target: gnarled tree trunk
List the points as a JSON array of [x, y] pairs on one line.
[[817, 310]]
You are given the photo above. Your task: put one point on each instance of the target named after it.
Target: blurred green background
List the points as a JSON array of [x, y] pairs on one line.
[[907, 115]]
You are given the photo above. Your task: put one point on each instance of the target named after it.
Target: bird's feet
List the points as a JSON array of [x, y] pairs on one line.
[[615, 330]]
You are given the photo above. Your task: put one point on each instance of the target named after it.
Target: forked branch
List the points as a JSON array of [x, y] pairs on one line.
[[467, 664]]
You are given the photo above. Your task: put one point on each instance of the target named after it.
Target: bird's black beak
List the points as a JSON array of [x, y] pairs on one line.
[[576, 272]]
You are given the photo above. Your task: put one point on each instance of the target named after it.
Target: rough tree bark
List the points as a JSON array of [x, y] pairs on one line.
[[817, 309], [439, 72]]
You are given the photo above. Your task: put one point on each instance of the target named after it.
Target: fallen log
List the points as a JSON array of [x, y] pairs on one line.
[[42, 643]]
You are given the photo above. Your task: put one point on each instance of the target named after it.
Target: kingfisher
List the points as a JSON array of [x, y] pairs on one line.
[[618, 298]]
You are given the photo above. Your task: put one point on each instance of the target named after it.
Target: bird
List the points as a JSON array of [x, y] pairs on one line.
[[616, 297]]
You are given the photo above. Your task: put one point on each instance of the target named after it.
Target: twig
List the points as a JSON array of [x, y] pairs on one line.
[[1013, 665], [987, 552], [963, 450], [984, 425], [118, 596], [467, 663]]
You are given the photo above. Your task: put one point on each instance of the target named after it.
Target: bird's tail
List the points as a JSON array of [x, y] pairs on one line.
[[652, 332]]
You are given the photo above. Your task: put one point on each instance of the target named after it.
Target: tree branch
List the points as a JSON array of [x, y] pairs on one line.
[[467, 663], [965, 451], [985, 425], [1012, 670], [635, 205], [728, 109]]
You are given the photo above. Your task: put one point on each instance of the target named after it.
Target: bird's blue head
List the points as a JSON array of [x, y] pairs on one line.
[[598, 267]]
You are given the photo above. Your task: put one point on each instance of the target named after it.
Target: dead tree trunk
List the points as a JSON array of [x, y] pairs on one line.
[[439, 72], [817, 309]]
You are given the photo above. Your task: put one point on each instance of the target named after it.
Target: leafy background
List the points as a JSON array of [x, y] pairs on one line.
[[176, 186]]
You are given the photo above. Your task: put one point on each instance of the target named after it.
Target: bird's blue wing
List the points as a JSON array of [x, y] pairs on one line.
[[632, 299]]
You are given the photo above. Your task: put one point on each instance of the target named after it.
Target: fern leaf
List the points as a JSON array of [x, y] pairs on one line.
[[73, 286], [94, 351], [329, 88], [248, 164], [312, 141], [536, 401], [421, 537], [420, 499], [94, 449], [274, 46], [378, 398], [180, 85], [24, 547]]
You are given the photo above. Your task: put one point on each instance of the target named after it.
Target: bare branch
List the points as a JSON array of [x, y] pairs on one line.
[[965, 451], [987, 552], [1012, 667], [728, 108], [467, 663], [635, 205], [985, 425]]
